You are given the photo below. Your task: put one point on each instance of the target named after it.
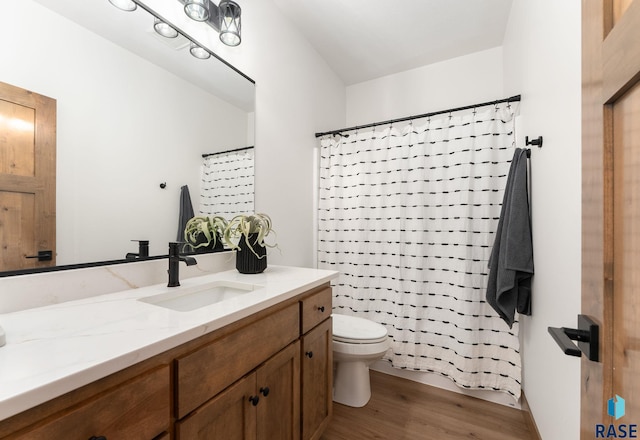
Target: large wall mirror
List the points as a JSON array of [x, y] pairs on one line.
[[135, 114]]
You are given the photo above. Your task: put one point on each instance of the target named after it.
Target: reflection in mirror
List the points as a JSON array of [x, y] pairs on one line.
[[134, 110]]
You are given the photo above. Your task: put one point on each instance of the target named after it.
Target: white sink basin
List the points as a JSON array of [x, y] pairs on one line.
[[192, 298]]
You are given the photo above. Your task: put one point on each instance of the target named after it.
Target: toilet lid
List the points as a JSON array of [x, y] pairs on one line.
[[357, 330]]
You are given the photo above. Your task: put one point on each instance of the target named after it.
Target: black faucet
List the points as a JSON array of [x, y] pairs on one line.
[[143, 250], [174, 264]]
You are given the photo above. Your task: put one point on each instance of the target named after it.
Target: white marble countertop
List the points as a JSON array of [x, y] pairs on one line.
[[54, 349]]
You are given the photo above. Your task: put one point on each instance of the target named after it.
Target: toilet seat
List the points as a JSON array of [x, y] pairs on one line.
[[354, 330]]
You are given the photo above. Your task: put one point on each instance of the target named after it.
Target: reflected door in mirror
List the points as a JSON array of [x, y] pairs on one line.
[[27, 179]]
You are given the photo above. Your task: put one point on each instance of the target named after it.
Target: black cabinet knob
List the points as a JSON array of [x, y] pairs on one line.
[[321, 309], [309, 354], [254, 400], [265, 391], [102, 437]]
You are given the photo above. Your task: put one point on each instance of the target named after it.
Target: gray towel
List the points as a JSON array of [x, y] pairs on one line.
[[186, 211], [511, 261]]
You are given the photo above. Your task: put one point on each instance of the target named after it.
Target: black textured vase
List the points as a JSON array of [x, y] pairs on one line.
[[246, 260], [211, 247]]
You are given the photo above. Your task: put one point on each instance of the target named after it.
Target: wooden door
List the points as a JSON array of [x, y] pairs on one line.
[[27, 178], [229, 416], [611, 209], [279, 392], [317, 380]]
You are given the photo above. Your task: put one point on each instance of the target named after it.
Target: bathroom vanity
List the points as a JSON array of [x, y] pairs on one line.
[[256, 364]]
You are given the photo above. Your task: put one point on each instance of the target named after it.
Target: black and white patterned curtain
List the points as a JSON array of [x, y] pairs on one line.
[[226, 187], [407, 215]]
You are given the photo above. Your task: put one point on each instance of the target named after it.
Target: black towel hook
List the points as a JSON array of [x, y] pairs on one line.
[[537, 142]]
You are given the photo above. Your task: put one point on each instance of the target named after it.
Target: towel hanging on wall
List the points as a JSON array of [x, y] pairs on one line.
[[186, 211], [511, 261]]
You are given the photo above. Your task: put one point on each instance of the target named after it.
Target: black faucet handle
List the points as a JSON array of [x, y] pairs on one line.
[[143, 248]]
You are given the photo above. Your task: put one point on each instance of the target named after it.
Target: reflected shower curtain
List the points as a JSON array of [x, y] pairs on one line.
[[226, 187], [407, 215]]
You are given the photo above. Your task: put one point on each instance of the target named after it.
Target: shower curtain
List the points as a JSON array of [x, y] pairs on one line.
[[226, 187], [407, 215]]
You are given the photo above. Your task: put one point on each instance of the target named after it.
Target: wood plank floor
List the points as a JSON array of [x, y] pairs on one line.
[[401, 409]]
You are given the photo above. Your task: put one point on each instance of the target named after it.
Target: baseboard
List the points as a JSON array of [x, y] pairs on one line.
[[533, 428]]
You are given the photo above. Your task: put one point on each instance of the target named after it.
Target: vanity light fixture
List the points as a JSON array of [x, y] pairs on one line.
[[125, 5], [164, 29], [197, 10], [199, 52], [224, 18], [229, 22]]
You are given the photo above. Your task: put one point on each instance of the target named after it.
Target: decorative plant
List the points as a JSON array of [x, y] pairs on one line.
[[202, 231], [252, 229]]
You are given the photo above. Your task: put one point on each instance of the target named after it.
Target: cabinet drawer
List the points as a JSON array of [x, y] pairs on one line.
[[315, 309], [207, 371], [137, 409]]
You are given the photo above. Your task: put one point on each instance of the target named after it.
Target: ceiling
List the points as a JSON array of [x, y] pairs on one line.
[[367, 39], [359, 39]]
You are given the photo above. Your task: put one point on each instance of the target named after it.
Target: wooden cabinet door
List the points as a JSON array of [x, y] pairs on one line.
[[231, 415], [278, 388], [207, 371], [317, 380], [611, 210], [27, 178]]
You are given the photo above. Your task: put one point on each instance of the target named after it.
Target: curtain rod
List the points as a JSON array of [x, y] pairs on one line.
[[515, 98], [228, 151]]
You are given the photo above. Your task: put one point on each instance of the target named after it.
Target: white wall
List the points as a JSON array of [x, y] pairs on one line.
[[542, 62], [122, 128], [456, 82]]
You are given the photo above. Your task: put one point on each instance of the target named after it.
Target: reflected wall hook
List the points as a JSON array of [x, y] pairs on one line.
[[537, 142], [163, 185]]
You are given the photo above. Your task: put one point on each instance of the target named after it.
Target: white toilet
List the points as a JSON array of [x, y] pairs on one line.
[[357, 343]]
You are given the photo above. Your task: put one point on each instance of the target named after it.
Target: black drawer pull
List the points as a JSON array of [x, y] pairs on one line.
[[309, 354], [321, 308], [48, 256], [254, 400], [265, 391]]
